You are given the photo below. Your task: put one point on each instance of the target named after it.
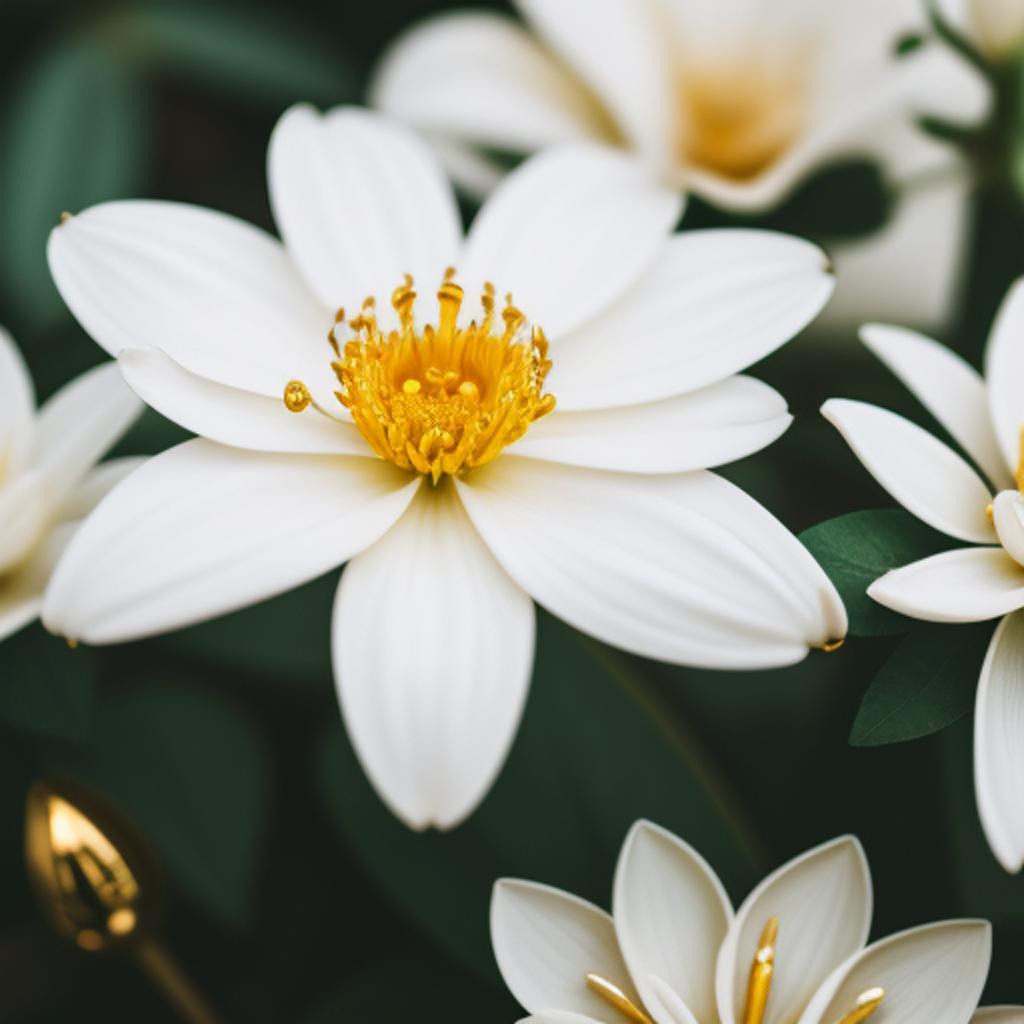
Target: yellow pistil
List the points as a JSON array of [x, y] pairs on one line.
[[867, 1003], [614, 996], [760, 983], [442, 399]]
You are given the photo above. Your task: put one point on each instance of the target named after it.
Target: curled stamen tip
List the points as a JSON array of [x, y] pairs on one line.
[[449, 275], [832, 645], [296, 396]]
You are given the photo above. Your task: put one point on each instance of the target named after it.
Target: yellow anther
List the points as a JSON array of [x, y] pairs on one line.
[[469, 390], [989, 514], [296, 396], [832, 645], [761, 969], [867, 1003], [412, 386], [614, 996]]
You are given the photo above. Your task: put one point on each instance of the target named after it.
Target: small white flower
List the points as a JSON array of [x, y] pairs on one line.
[[48, 482], [972, 584], [430, 455], [737, 101], [674, 952]]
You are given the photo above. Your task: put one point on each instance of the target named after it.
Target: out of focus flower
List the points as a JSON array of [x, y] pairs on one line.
[[674, 952], [49, 480], [968, 584], [429, 449], [737, 101], [995, 27]]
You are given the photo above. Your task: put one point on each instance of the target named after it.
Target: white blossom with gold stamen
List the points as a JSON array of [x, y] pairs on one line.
[[527, 412]]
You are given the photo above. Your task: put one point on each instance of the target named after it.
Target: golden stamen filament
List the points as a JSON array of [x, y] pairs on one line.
[[867, 1003], [761, 970], [614, 996]]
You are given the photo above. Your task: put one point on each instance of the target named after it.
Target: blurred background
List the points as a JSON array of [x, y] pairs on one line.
[[291, 894]]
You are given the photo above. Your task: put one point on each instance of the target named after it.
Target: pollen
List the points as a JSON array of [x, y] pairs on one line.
[[439, 399]]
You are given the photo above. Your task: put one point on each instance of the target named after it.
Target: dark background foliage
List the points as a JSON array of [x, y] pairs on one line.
[[292, 895]]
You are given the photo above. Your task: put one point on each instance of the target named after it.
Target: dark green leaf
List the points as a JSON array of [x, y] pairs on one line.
[[928, 683], [857, 548], [45, 688], [591, 757], [189, 770], [75, 135]]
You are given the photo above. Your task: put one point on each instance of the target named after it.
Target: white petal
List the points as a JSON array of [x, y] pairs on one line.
[[546, 942], [966, 585], [823, 902], [360, 201], [714, 302], [481, 78], [718, 424], [25, 504], [620, 48], [999, 1015], [231, 416], [21, 592], [557, 1017], [685, 568], [433, 650], [568, 232], [475, 172], [96, 485], [671, 914], [947, 386], [80, 423], [216, 294], [999, 743], [931, 975], [925, 476], [203, 529], [17, 405], [1004, 370], [1008, 518]]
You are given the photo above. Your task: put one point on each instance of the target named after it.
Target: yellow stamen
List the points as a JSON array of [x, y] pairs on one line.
[[760, 983], [832, 645], [867, 1003], [296, 396], [614, 996]]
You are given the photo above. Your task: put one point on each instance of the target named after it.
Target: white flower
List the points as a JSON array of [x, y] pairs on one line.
[[48, 482], [738, 101], [985, 581], [674, 952], [601, 511], [995, 27]]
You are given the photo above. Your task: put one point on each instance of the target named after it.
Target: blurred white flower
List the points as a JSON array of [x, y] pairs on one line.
[[48, 482], [737, 101], [970, 584], [995, 27], [674, 952], [425, 449]]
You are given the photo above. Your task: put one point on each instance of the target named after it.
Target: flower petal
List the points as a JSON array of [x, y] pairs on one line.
[[999, 1015], [931, 975], [547, 941], [231, 416], [216, 294], [360, 201], [822, 900], [568, 232], [718, 424], [713, 303], [1004, 370], [96, 485], [947, 386], [965, 585], [925, 476], [998, 750], [620, 49], [24, 508], [80, 423], [481, 78], [21, 592], [684, 568], [433, 650], [1008, 518], [17, 405], [203, 529], [671, 914]]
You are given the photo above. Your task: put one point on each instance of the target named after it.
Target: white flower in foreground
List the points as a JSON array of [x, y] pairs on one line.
[[49, 480], [430, 455], [738, 101], [995, 27], [674, 952], [971, 584]]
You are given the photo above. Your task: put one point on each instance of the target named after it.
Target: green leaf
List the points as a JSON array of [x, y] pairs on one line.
[[191, 773], [45, 688], [75, 135], [929, 682], [857, 548], [592, 756], [259, 55]]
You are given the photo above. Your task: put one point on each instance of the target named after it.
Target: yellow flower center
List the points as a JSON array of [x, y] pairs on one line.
[[439, 399]]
